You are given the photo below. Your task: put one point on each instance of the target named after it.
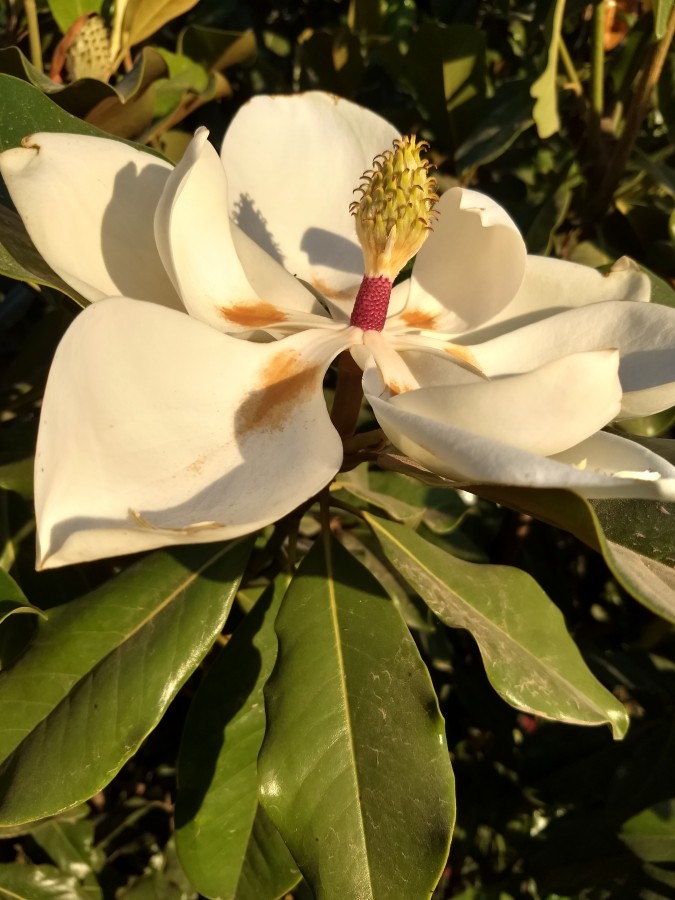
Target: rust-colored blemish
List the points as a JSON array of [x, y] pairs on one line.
[[195, 467], [463, 355], [252, 315], [322, 288], [417, 318], [285, 382]]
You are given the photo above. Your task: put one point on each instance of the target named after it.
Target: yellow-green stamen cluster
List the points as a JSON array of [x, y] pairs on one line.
[[395, 212]]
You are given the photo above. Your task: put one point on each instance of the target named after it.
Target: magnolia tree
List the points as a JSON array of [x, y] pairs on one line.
[[240, 307]]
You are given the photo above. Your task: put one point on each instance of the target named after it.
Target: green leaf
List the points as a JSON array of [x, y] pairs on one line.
[[634, 536], [226, 844], [649, 426], [662, 292], [505, 117], [25, 110], [65, 12], [71, 846], [17, 475], [165, 880], [545, 89], [353, 483], [22, 882], [662, 11], [331, 58], [101, 672], [659, 171], [184, 76], [445, 69], [216, 49], [129, 108], [529, 657], [651, 834], [123, 109], [142, 18], [12, 599], [354, 770], [404, 499]]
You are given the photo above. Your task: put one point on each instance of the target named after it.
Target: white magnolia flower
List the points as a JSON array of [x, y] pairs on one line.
[[162, 428]]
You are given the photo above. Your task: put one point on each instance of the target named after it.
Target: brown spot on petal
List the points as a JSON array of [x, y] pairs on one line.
[[286, 381], [465, 358], [323, 288], [197, 465], [417, 318], [252, 315]]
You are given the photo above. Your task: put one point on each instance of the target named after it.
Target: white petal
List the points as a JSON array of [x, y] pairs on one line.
[[89, 205], [292, 164], [158, 430], [644, 334], [544, 412], [470, 458], [611, 453], [470, 267], [551, 286], [224, 278]]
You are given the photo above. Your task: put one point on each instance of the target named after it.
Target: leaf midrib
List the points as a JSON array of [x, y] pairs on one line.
[[330, 581]]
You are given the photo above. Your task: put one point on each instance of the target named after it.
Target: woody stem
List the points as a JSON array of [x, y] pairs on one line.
[[348, 396]]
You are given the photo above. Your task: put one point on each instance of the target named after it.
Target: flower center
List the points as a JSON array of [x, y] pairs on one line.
[[393, 218]]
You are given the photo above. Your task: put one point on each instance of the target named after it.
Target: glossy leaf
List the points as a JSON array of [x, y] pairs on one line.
[[25, 110], [12, 599], [142, 18], [184, 75], [101, 672], [332, 59], [529, 657], [353, 483], [129, 108], [445, 68], [216, 49], [354, 769], [71, 846], [88, 97], [226, 844], [505, 117], [651, 834], [640, 561], [634, 537], [65, 12], [403, 499], [545, 88], [22, 882], [649, 426], [662, 12]]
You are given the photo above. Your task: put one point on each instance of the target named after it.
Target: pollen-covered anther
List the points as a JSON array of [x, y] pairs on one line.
[[396, 209]]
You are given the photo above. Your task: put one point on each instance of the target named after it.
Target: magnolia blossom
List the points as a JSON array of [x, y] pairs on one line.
[[186, 403]]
